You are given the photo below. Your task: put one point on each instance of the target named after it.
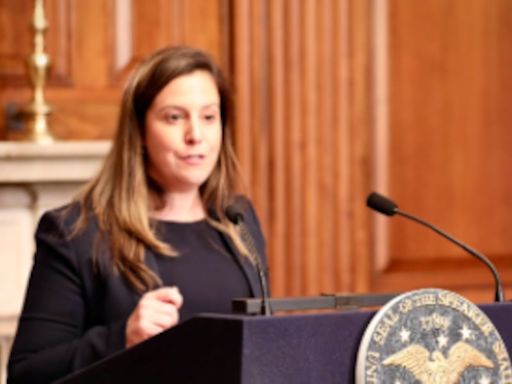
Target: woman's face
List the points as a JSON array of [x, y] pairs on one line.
[[183, 132]]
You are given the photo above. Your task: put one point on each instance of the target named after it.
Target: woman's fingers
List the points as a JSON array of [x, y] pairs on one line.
[[156, 311], [170, 295]]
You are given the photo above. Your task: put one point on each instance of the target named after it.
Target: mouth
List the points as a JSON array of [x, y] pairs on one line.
[[193, 159]]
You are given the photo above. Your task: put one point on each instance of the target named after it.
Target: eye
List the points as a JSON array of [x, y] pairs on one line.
[[173, 117], [210, 117]]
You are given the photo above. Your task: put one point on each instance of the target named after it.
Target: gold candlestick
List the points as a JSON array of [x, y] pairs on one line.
[[37, 111]]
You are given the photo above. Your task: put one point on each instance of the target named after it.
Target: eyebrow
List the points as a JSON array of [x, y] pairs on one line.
[[180, 107]]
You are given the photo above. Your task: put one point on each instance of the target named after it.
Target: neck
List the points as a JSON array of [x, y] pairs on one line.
[[180, 206]]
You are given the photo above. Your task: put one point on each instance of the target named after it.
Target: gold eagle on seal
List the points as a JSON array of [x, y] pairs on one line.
[[435, 368]]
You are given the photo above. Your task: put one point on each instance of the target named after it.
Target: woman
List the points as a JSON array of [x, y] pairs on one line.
[[146, 244]]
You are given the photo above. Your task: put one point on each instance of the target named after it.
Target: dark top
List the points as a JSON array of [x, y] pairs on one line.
[[205, 271], [75, 314]]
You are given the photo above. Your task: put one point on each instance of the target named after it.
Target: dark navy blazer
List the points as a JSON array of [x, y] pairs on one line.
[[75, 314]]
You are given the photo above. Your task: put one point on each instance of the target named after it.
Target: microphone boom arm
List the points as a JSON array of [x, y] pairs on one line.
[[499, 289]]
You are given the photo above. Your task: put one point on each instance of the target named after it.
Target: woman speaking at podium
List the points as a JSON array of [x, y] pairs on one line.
[[147, 243]]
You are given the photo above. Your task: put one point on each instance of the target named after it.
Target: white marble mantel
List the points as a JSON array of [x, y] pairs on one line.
[[58, 162], [33, 178]]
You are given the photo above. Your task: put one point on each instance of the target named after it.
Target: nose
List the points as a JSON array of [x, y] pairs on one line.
[[194, 132]]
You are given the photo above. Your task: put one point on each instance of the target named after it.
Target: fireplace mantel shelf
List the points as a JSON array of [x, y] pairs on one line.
[[73, 161]]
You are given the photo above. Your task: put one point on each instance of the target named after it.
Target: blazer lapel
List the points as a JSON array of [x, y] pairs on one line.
[[245, 264]]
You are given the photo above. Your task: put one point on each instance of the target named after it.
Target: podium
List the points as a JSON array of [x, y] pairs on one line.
[[229, 349]]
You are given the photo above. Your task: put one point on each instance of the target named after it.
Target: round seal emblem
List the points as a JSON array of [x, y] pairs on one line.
[[432, 336]]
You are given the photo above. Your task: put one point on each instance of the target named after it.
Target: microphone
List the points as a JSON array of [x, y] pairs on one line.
[[388, 207], [236, 216]]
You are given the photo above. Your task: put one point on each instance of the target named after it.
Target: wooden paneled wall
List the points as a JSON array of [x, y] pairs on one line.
[[301, 70], [450, 143], [334, 98]]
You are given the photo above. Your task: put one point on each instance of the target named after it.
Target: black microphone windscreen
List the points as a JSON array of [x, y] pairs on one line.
[[234, 214], [381, 204]]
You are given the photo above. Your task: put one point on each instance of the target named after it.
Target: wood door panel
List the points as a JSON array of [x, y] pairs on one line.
[[17, 41], [449, 141]]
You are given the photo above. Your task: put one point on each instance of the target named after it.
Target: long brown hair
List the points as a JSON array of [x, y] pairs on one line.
[[119, 196]]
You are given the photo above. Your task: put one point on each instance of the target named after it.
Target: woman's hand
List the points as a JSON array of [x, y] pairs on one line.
[[156, 311]]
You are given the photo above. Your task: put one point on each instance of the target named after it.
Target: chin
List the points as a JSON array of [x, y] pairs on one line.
[[195, 182]]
